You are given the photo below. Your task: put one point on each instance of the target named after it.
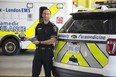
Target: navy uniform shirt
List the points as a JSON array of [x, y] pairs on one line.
[[45, 32]]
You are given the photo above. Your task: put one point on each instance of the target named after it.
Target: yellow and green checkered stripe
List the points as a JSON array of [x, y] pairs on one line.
[[78, 56], [60, 45], [100, 57]]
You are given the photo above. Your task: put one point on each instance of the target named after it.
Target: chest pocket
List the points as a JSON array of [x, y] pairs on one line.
[[39, 31], [44, 31]]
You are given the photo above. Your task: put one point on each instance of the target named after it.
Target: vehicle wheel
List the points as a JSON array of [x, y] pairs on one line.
[[10, 47]]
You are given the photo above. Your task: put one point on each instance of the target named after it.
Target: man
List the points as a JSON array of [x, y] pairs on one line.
[[46, 34]]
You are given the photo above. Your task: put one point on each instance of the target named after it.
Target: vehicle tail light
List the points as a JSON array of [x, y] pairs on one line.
[[111, 46]]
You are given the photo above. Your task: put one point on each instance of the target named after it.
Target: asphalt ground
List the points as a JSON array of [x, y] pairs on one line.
[[18, 65]]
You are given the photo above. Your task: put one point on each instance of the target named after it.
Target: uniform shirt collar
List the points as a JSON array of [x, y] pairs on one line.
[[47, 23]]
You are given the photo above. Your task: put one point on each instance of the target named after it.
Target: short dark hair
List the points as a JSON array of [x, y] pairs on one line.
[[47, 9]]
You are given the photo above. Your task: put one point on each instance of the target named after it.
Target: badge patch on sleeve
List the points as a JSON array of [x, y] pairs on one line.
[[55, 28]]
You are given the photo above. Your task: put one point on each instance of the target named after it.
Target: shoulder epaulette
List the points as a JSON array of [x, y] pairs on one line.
[[53, 24]]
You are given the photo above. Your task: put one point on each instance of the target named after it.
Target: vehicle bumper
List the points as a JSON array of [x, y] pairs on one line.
[[61, 72], [69, 70]]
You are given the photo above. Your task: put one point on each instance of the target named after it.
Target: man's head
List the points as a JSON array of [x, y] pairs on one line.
[[46, 14]]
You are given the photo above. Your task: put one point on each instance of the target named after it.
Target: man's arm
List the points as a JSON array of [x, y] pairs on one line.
[[50, 41], [46, 42]]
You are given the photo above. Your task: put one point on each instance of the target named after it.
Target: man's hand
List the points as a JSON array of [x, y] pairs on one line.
[[35, 42], [26, 39]]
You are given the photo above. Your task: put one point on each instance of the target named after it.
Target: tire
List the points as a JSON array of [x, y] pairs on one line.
[[10, 47]]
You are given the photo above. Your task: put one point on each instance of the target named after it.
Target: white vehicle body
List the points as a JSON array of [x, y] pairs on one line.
[[17, 16], [87, 45]]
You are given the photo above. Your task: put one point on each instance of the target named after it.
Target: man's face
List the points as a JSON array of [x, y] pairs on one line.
[[46, 15]]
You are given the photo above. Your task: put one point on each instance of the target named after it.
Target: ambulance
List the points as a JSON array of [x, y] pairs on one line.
[[22, 16], [87, 45]]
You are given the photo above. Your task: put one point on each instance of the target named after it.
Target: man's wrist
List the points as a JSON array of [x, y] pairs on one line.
[[39, 42], [29, 39]]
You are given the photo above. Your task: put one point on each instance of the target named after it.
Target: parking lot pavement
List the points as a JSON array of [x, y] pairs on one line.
[[18, 65]]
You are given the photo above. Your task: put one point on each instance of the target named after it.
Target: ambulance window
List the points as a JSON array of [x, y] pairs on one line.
[[88, 26], [40, 13], [66, 26], [113, 26], [94, 26], [91, 23]]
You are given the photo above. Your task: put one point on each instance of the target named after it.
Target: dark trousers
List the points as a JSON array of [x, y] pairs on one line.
[[42, 57]]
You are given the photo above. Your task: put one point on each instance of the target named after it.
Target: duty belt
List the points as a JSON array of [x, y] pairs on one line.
[[44, 48]]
